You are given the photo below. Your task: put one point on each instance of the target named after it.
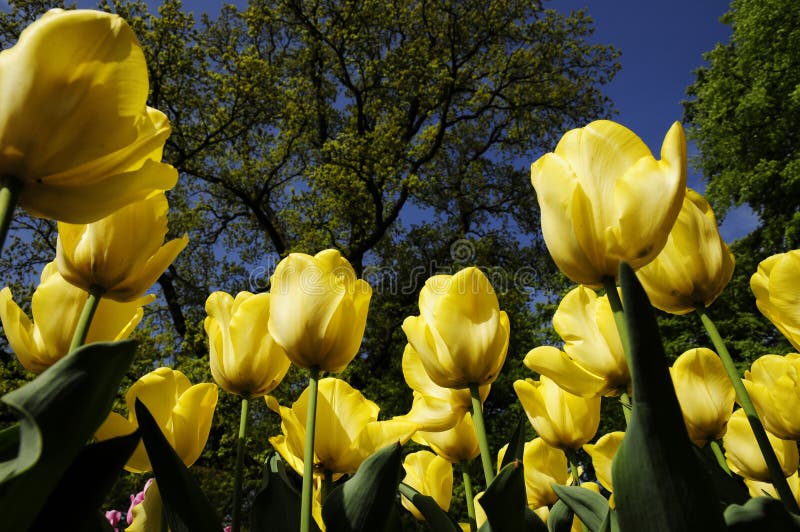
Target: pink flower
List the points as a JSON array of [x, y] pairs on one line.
[[137, 499], [114, 517]]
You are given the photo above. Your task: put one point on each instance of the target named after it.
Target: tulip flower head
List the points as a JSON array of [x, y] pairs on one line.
[[123, 254], [434, 408], [593, 362], [347, 429], [744, 456], [43, 341], [183, 413], [773, 383], [461, 335], [761, 489], [776, 286], [695, 264], [705, 394], [562, 419], [544, 465], [244, 358], [456, 444], [75, 134], [602, 454], [318, 310], [430, 475], [604, 198]]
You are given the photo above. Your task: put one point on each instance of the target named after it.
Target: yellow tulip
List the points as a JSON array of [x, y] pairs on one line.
[[75, 133], [461, 334], [434, 408], [605, 199], [705, 394], [773, 384], [244, 358], [744, 456], [457, 444], [318, 309], [122, 253], [766, 489], [593, 361], [147, 514], [182, 411], [430, 475], [562, 419], [776, 286], [694, 266], [543, 465], [602, 454], [347, 429], [43, 341]]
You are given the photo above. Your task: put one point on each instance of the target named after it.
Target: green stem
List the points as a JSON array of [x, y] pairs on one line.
[[89, 308], [717, 450], [473, 523], [625, 401], [480, 430], [775, 472], [572, 458], [619, 316], [327, 484], [9, 195], [237, 482], [308, 451]]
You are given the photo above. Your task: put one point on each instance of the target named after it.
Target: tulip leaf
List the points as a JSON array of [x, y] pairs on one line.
[[516, 445], [361, 503], [560, 517], [729, 490], [276, 507], [60, 411], [610, 523], [759, 514], [9, 444], [185, 504], [657, 478], [590, 507], [436, 518], [506, 504], [74, 503]]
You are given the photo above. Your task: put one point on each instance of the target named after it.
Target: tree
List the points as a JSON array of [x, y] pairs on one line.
[[743, 112], [300, 125]]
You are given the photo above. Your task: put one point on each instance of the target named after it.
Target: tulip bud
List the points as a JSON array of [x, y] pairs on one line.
[[244, 358], [318, 310], [705, 394], [605, 199], [695, 264], [461, 334]]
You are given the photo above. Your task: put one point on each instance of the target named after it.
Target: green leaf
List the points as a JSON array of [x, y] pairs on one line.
[[276, 507], [560, 517], [590, 507], [74, 503], [516, 445], [185, 504], [728, 489], [436, 518], [506, 504], [761, 514], [9, 444], [658, 481], [60, 411], [361, 504]]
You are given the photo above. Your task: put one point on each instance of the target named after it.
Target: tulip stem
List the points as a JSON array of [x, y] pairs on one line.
[[775, 472], [625, 401], [85, 320], [473, 523], [619, 316], [480, 430], [237, 479], [308, 451], [572, 458], [717, 450], [9, 194]]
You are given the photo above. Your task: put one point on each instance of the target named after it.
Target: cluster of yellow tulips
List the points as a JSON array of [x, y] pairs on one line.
[[605, 202]]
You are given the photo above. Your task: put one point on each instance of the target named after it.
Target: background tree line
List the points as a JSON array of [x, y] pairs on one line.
[[401, 133]]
